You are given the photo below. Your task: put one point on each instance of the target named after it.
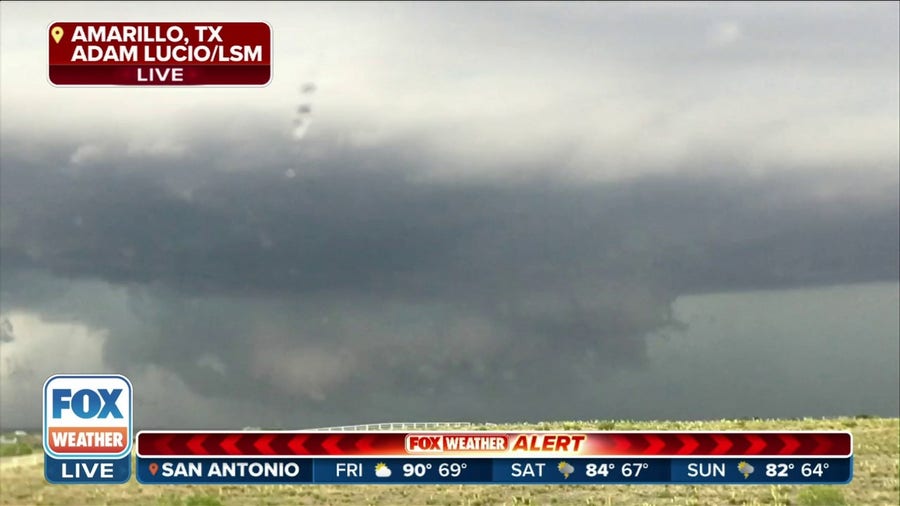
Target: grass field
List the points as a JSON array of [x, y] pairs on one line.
[[875, 482]]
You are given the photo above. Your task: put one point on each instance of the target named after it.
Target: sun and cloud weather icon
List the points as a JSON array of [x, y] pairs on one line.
[[382, 470], [745, 469], [565, 468]]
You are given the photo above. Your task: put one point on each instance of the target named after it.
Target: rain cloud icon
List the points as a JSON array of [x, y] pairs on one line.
[[566, 469]]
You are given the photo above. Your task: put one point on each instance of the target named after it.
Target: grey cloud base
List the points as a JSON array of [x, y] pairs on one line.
[[350, 292]]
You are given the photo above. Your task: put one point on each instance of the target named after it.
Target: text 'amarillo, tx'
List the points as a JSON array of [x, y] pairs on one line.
[[160, 54]]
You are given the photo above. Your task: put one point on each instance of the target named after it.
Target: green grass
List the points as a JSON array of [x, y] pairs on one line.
[[821, 496], [12, 450], [193, 500], [875, 481], [202, 500]]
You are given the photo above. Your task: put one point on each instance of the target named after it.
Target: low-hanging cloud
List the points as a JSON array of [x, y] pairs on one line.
[[348, 290]]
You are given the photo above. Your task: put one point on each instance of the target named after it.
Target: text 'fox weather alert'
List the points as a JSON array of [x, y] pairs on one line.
[[88, 427]]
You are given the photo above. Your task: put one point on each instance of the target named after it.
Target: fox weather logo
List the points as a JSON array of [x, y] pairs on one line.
[[87, 424]]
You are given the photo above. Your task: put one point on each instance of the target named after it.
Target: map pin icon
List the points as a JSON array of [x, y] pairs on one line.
[[56, 32], [153, 468]]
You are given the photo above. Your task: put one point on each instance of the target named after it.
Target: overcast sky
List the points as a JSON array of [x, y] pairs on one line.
[[494, 212]]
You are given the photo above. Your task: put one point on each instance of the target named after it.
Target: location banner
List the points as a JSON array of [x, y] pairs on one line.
[[160, 54], [543, 457]]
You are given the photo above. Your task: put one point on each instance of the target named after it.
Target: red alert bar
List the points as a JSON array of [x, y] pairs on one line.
[[160, 54], [494, 444]]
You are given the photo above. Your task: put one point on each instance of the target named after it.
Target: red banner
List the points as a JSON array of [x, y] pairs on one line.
[[160, 54], [492, 444]]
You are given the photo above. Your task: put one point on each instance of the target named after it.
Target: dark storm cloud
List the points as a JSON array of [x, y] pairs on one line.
[[352, 290]]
